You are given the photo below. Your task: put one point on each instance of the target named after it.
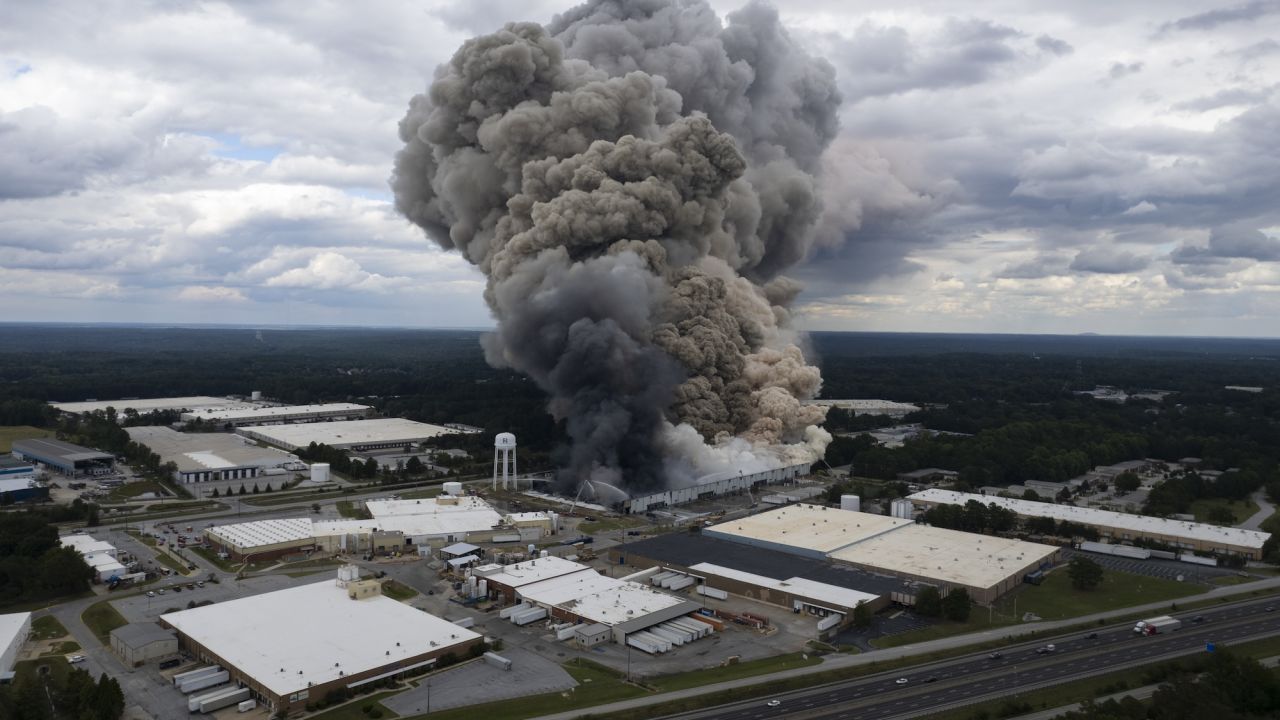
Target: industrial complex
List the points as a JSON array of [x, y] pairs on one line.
[[140, 406], [294, 646], [372, 434], [280, 415], [1117, 527], [712, 485], [209, 457], [14, 628], [64, 458]]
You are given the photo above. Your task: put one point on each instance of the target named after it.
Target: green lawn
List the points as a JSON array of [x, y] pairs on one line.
[[167, 560], [681, 681], [1272, 524], [1241, 510], [66, 647], [102, 618], [1055, 599], [47, 627], [596, 685], [607, 524], [398, 591], [421, 494], [354, 710], [9, 433], [353, 509], [211, 556], [129, 491]]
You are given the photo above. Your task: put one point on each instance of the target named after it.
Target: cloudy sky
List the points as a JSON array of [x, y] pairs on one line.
[[1091, 166]]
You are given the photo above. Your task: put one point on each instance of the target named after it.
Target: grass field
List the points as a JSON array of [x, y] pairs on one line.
[[1055, 599], [102, 618], [1241, 510], [398, 591], [168, 561], [596, 685], [351, 509], [47, 627], [9, 433], [355, 709], [681, 681], [607, 524], [66, 647], [129, 491]]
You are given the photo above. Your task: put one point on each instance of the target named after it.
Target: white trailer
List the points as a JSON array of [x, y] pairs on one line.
[[642, 575], [529, 616], [225, 698], [465, 622], [699, 630], [662, 644], [660, 578], [684, 634], [208, 681], [642, 644], [192, 674], [681, 583], [497, 661], [566, 633], [506, 612], [673, 638], [246, 705], [830, 621], [712, 592], [1197, 560]]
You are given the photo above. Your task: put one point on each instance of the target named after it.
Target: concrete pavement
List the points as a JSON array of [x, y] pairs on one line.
[[1265, 509], [839, 662]]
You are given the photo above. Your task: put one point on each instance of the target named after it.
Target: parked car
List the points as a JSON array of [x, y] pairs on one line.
[[160, 591], [995, 655], [76, 659], [151, 593]]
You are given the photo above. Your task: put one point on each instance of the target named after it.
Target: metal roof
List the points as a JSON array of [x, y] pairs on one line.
[[52, 448]]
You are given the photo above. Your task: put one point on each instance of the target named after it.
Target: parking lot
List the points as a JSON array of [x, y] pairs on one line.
[[1165, 569]]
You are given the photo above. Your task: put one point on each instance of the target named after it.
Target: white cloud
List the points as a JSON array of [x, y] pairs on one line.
[[211, 294]]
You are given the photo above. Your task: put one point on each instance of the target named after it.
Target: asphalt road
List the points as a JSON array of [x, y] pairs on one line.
[[938, 686]]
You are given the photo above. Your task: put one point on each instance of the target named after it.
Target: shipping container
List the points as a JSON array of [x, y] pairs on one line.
[[208, 681], [497, 661], [712, 592]]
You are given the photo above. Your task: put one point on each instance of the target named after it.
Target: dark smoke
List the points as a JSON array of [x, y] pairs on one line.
[[632, 180]]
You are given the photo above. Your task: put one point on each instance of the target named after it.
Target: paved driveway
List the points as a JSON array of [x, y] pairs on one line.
[[480, 682]]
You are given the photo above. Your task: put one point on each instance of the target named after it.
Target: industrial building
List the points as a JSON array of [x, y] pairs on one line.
[[440, 520], [861, 406], [355, 537], [262, 539], [143, 406], [14, 629], [280, 415], [894, 546], [574, 593], [714, 485], [359, 435], [100, 555], [295, 646], [211, 457], [12, 468], [138, 643], [16, 490], [64, 458], [1117, 527]]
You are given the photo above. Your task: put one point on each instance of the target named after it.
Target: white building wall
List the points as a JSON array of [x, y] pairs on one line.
[[14, 628]]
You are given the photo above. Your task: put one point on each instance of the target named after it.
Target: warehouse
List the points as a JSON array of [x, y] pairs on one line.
[[296, 646], [100, 555], [793, 593], [143, 406], [360, 435], [356, 537], [138, 643], [281, 415], [757, 573], [1118, 527], [984, 565], [715, 484], [12, 468], [262, 539], [16, 490], [571, 592], [209, 457], [63, 457], [440, 520], [807, 530], [860, 406], [14, 629]]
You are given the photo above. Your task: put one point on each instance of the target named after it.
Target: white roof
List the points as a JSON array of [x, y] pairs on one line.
[[429, 517], [321, 528], [310, 634], [531, 571], [1106, 518], [263, 532], [13, 629], [599, 598], [345, 433], [103, 564], [811, 589], [147, 405], [979, 561], [460, 548], [528, 517], [85, 544], [269, 413], [811, 527], [11, 484], [194, 452], [867, 405]]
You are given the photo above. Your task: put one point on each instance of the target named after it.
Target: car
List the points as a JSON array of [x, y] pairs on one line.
[[151, 593], [200, 583], [160, 591], [176, 588], [76, 659], [931, 679], [191, 566], [901, 681], [1091, 636], [1270, 608], [1198, 619], [994, 656], [191, 586], [1045, 650], [774, 703]]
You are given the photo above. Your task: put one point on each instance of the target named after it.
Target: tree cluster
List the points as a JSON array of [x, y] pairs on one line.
[[33, 563], [73, 694], [973, 517]]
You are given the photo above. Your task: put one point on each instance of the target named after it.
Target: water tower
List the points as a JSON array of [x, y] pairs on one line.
[[504, 445]]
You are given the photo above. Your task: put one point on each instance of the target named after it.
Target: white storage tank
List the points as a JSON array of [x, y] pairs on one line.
[[320, 472], [851, 502], [453, 488], [256, 395]]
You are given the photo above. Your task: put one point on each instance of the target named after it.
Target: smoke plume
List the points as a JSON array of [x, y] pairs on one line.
[[632, 179]]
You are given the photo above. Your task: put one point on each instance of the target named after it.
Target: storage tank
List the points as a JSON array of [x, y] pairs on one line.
[[851, 502], [453, 488], [320, 472], [256, 395]]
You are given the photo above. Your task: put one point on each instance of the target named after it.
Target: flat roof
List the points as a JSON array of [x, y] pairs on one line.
[[979, 561], [460, 548], [263, 532], [195, 402], [85, 544], [314, 634], [139, 634], [195, 452], [1092, 516], [12, 484], [65, 451], [686, 550], [427, 516], [821, 592], [345, 433], [530, 571], [268, 413], [811, 527], [865, 404], [599, 598]]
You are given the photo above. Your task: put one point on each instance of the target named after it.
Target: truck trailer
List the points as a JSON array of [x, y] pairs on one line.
[[1156, 625]]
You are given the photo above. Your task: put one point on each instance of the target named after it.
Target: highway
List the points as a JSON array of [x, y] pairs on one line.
[[937, 686]]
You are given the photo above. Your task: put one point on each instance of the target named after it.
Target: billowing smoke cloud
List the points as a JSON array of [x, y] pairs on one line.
[[632, 179]]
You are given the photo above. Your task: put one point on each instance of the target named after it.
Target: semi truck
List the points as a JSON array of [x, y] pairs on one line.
[[1156, 625]]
